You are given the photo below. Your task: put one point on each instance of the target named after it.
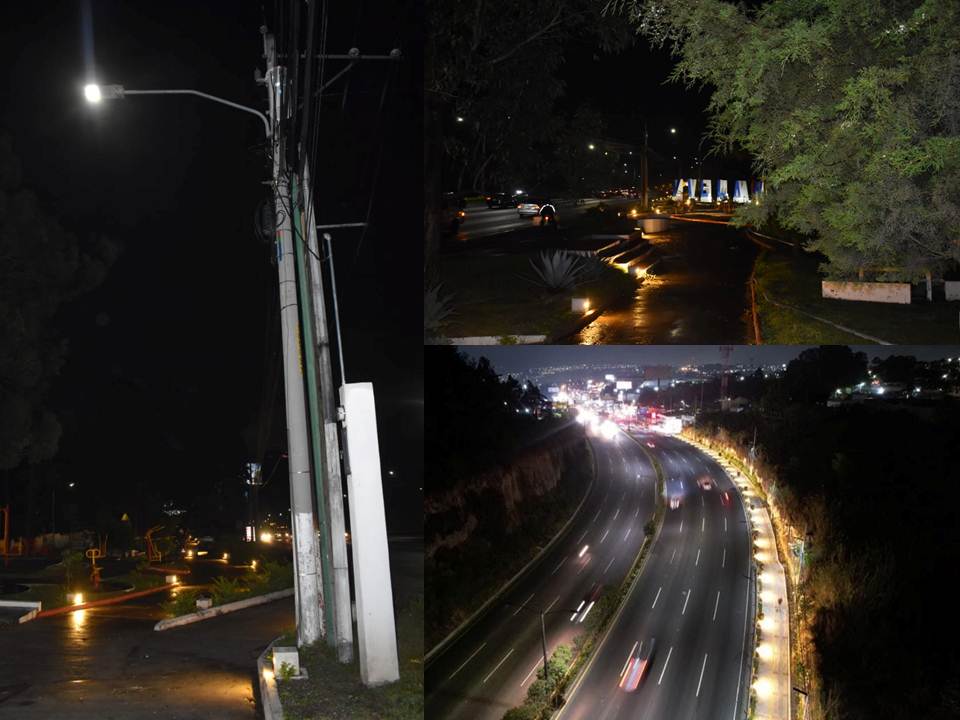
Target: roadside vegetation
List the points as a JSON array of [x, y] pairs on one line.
[[333, 690], [870, 488], [267, 577]]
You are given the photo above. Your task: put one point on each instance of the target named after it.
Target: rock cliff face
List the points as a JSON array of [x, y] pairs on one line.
[[487, 526], [548, 473]]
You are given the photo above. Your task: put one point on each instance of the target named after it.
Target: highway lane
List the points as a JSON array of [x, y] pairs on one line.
[[482, 221], [691, 597], [489, 668]]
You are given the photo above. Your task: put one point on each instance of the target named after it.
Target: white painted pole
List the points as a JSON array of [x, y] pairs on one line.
[[376, 631]]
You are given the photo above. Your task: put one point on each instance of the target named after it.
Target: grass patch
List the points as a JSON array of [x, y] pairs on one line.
[[494, 294], [795, 280], [334, 691]]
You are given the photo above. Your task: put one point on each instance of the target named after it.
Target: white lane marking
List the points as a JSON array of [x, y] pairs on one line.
[[581, 568], [723, 562], [702, 503], [637, 512], [523, 603], [697, 561], [656, 598], [685, 602], [582, 536], [466, 661], [616, 513], [558, 566], [703, 667], [608, 565], [716, 605], [681, 526], [552, 604], [605, 535], [629, 655], [538, 663], [596, 516], [628, 533], [724, 524], [665, 665], [498, 666], [672, 556], [703, 524]]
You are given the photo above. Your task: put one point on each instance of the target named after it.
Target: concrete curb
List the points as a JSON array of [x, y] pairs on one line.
[[31, 606], [221, 610], [104, 601], [462, 627], [269, 693], [495, 340]]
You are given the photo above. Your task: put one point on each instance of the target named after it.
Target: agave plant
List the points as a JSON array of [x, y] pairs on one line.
[[436, 309], [558, 270]]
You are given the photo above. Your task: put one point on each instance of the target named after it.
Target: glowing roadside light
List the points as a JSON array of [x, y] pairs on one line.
[[583, 551], [175, 579], [266, 537], [92, 93], [764, 651], [226, 556], [267, 674], [609, 430], [253, 564], [763, 687], [78, 598], [189, 554], [459, 118], [767, 624]]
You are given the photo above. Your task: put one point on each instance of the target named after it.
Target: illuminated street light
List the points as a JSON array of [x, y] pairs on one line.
[[673, 131], [591, 146], [459, 119], [266, 537]]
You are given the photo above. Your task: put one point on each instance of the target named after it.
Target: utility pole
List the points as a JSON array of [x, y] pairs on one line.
[[308, 595], [330, 487]]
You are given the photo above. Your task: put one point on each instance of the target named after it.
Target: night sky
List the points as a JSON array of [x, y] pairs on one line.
[[519, 359], [163, 390]]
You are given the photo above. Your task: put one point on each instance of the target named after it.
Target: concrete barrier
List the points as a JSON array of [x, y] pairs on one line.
[[221, 610], [269, 694], [883, 292], [951, 288], [30, 608]]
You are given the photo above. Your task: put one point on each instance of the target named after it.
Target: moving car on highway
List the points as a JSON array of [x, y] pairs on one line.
[[637, 666], [528, 208]]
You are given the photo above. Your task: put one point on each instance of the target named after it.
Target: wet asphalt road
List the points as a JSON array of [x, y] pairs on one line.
[[108, 663], [698, 293]]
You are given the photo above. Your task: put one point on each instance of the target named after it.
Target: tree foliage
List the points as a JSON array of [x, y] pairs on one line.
[[42, 266], [850, 108]]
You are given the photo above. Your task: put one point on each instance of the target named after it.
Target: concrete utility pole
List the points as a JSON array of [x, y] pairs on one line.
[[308, 595], [332, 488]]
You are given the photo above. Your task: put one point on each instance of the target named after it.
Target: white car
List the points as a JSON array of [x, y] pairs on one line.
[[674, 502], [528, 208]]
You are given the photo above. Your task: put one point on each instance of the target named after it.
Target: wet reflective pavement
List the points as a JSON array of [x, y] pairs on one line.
[[699, 293], [108, 663]]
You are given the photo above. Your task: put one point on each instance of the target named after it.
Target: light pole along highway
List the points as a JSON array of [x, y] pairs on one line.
[[692, 598], [488, 667]]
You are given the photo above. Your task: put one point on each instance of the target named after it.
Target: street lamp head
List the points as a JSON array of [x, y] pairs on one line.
[[95, 93], [673, 131]]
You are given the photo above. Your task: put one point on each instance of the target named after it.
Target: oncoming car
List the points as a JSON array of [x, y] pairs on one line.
[[705, 482], [636, 667], [674, 502]]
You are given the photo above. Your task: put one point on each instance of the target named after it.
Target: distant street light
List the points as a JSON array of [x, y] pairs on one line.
[[459, 118], [673, 131], [592, 146]]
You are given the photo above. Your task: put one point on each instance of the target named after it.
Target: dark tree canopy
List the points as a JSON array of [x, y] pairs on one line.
[[42, 266], [850, 108]]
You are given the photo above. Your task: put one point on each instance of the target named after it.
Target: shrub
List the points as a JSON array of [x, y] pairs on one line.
[[437, 308], [558, 271], [182, 603], [226, 590]]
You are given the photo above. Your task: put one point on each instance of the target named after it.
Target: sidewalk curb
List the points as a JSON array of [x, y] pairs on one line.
[[438, 649], [31, 606], [269, 694], [221, 610], [105, 601]]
